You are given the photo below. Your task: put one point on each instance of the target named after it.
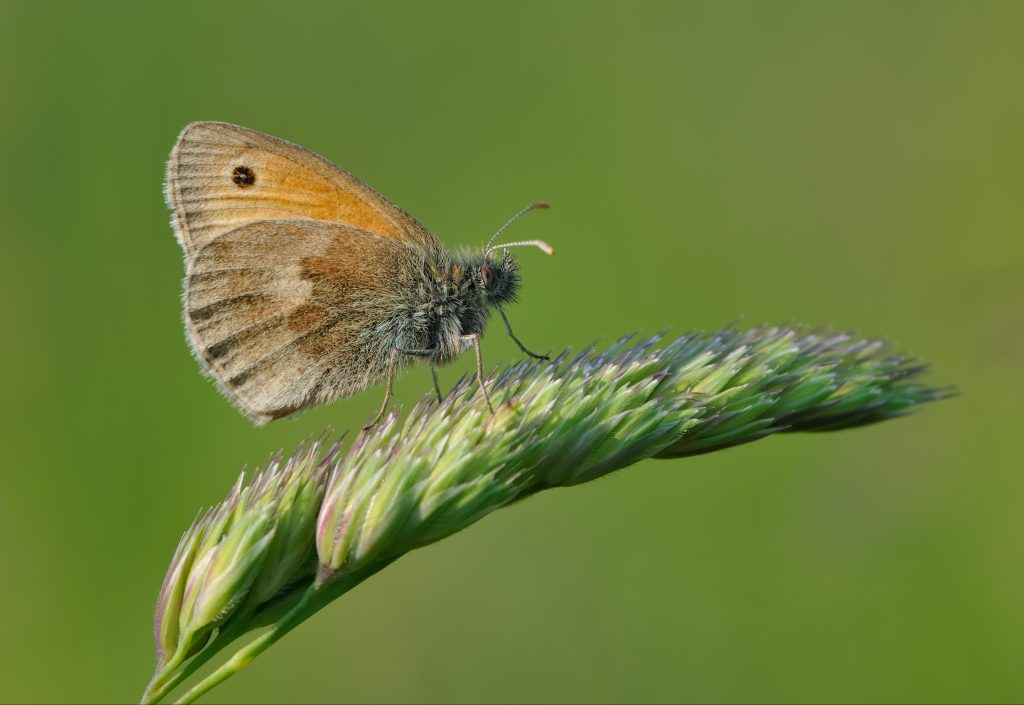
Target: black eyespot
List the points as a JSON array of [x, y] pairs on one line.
[[243, 176], [487, 276]]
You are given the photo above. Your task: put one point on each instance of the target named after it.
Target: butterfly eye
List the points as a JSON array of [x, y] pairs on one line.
[[488, 277]]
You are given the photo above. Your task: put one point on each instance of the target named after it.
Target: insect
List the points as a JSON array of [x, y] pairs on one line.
[[304, 285]]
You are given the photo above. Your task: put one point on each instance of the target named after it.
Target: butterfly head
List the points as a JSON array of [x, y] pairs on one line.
[[498, 275], [461, 295]]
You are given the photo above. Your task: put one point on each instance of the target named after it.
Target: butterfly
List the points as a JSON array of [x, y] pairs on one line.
[[304, 285]]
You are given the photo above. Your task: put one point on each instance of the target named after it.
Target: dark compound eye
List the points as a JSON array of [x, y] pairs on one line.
[[243, 176], [488, 277]]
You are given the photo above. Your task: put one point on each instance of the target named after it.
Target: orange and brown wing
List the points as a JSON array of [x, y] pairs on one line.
[[221, 176], [285, 314]]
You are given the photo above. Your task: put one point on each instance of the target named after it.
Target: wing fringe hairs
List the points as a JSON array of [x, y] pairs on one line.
[[306, 529]]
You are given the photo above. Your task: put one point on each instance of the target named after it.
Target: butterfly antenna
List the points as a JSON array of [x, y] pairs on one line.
[[536, 243], [548, 249]]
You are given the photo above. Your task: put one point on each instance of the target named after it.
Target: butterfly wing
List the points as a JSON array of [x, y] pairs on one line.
[[285, 314], [221, 176]]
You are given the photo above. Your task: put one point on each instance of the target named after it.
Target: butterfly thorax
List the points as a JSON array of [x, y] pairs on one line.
[[454, 298]]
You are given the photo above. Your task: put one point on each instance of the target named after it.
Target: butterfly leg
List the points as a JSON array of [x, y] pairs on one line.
[[437, 385], [415, 352], [387, 398], [433, 370], [475, 337], [508, 327]]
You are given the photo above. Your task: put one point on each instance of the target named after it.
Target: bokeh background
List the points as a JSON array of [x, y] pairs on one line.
[[851, 164]]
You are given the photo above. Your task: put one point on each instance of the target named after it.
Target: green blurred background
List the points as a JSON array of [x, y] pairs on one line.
[[856, 164]]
